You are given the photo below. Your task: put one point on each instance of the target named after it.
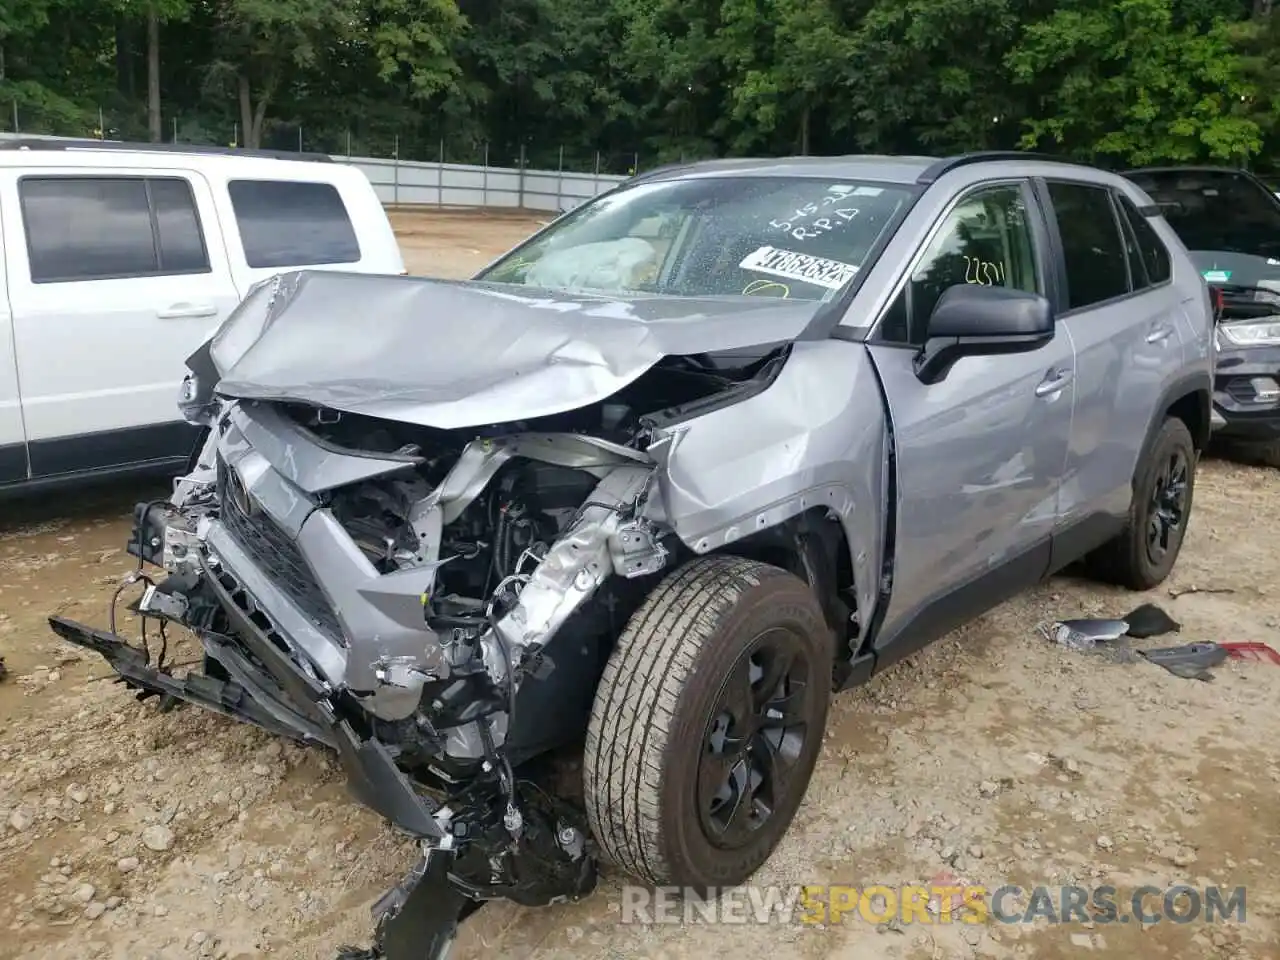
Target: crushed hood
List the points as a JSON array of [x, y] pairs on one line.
[[451, 354]]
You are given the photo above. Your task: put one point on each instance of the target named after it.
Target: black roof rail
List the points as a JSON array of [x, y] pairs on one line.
[[1179, 167], [658, 171], [39, 143], [935, 171]]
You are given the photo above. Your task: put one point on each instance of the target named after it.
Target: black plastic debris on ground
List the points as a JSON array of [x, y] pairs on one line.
[[1149, 620]]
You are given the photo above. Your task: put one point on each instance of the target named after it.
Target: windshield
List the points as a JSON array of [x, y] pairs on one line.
[[790, 237], [1216, 210]]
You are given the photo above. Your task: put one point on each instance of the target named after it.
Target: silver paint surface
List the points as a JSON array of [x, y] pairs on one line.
[[453, 354]]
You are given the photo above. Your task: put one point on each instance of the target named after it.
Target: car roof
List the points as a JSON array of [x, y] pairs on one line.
[[888, 169], [1185, 168], [882, 168], [86, 155]]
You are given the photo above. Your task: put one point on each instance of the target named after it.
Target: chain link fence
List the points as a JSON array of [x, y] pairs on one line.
[[427, 142], [406, 167]]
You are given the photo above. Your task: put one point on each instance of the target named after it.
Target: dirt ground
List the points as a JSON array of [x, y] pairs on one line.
[[131, 834]]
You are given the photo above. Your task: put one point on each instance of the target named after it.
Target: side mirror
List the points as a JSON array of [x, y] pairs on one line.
[[971, 320]]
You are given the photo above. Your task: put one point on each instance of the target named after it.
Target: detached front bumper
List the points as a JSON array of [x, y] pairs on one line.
[[270, 691], [1246, 394], [264, 682], [416, 920]]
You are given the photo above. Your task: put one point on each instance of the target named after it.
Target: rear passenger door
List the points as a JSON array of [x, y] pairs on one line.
[[115, 278], [1122, 312]]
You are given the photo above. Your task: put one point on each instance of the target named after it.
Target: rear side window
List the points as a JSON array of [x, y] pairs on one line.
[[289, 224], [96, 228], [1094, 251], [1150, 248]]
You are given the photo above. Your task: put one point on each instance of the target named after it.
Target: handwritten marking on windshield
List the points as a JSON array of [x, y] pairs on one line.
[[832, 274], [766, 288], [816, 228]]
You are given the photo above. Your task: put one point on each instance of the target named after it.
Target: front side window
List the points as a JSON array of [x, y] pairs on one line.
[[792, 237], [285, 223], [1092, 246], [94, 228], [986, 240]]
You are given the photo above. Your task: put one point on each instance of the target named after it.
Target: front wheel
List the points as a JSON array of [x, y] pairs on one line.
[[1143, 554], [707, 723]]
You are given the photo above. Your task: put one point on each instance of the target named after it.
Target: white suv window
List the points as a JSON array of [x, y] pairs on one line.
[[287, 223], [98, 228]]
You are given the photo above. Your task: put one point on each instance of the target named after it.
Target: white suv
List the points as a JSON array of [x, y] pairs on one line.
[[118, 260]]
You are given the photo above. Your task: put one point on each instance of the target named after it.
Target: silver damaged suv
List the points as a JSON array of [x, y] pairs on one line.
[[654, 485]]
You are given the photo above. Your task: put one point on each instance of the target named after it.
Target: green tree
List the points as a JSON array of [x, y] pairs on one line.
[[153, 13], [1122, 80], [264, 46], [928, 75], [785, 59]]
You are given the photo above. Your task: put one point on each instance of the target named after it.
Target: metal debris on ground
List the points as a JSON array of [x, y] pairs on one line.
[[1088, 633], [4, 671], [1083, 634], [1191, 661]]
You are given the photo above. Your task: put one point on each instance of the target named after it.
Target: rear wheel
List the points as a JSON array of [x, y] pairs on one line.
[[1143, 554], [707, 723]]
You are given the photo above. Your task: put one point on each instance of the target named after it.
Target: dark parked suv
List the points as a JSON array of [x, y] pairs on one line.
[[1230, 222]]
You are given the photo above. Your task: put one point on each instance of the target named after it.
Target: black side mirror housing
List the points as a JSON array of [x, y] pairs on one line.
[[970, 320]]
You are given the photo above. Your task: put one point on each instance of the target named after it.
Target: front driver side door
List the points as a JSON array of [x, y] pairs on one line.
[[980, 453]]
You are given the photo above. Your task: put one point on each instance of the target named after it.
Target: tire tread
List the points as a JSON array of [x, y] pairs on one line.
[[1122, 561], [631, 719]]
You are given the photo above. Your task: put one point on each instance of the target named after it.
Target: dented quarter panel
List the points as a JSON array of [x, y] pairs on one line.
[[817, 439]]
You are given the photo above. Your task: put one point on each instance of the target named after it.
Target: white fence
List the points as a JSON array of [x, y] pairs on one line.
[[413, 183], [460, 185]]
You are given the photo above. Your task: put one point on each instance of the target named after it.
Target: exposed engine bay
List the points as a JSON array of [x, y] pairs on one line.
[[522, 547], [422, 554]]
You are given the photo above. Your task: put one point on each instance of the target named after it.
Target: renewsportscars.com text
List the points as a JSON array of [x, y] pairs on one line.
[[932, 904]]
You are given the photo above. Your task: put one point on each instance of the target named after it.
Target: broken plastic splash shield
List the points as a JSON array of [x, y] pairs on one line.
[[418, 918]]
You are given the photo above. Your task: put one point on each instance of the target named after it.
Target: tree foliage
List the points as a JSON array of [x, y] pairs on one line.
[[1115, 81]]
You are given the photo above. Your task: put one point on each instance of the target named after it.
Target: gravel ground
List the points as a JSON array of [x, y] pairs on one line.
[[131, 834]]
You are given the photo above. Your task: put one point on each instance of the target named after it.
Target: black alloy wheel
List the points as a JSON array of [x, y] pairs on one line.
[[755, 738]]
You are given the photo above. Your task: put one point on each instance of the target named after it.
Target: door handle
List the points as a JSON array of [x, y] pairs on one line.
[[185, 311], [1052, 383], [1159, 332]]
